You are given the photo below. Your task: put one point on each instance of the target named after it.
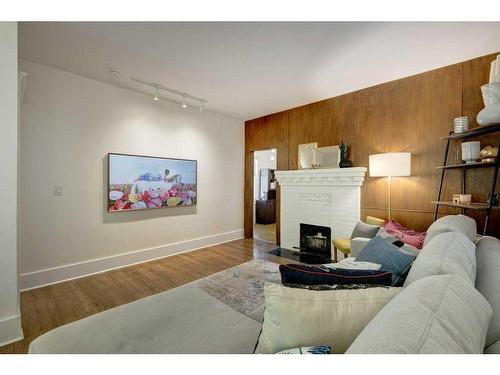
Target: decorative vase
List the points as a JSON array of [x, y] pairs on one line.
[[490, 114], [471, 151]]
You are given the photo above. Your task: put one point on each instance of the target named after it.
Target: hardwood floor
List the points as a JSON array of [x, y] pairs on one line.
[[46, 308], [265, 232]]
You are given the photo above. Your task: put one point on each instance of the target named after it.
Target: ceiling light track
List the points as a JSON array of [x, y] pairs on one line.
[[202, 102]]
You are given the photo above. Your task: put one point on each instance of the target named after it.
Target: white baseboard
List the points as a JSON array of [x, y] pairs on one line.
[[54, 275], [10, 330]]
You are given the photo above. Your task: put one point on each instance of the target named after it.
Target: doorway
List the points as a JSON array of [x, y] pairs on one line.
[[264, 195]]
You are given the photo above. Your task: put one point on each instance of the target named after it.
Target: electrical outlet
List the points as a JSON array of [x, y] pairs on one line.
[[58, 190]]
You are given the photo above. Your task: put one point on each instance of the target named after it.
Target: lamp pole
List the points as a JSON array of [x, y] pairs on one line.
[[389, 180]]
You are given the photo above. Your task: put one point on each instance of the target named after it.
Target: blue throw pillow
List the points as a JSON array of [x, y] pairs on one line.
[[389, 256], [321, 275]]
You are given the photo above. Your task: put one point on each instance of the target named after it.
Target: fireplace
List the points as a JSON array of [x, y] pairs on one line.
[[315, 239]]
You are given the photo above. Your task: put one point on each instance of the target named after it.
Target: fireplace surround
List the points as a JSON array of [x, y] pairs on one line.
[[328, 198]]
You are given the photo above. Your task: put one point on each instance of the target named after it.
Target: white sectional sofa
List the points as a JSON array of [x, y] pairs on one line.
[[450, 304]]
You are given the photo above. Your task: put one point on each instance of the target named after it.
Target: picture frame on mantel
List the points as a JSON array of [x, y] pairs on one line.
[[307, 155]]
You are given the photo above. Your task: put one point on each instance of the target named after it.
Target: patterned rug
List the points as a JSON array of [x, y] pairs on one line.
[[241, 287]]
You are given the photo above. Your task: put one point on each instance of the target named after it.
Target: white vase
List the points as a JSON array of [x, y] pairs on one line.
[[491, 98], [470, 151]]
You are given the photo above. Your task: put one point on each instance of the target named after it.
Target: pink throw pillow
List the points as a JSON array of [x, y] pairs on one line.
[[406, 235]]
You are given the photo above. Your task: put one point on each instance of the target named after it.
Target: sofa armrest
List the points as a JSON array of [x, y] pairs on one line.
[[357, 244]]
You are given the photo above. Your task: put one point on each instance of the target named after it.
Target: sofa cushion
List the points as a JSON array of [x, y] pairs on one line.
[[317, 275], [301, 317], [452, 223], [389, 256], [181, 320], [436, 314], [448, 253], [488, 282], [493, 348]]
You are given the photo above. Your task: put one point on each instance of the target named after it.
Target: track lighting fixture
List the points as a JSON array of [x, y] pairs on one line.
[[183, 95]]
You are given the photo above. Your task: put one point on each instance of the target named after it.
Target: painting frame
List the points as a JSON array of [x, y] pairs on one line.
[[108, 187]]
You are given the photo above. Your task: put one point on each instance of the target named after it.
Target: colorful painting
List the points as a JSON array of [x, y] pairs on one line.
[[143, 182]]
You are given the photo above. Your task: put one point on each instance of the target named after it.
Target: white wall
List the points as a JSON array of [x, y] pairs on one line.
[[10, 320], [68, 125]]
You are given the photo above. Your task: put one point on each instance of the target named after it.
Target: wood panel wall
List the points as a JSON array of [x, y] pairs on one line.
[[409, 114]]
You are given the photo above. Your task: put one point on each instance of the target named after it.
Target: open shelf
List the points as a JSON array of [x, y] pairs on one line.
[[469, 165], [480, 130], [472, 206]]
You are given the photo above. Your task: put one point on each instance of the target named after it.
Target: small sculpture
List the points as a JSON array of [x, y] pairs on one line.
[[489, 154], [344, 162]]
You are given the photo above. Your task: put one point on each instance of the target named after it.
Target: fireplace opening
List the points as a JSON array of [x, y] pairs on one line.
[[315, 239], [315, 246]]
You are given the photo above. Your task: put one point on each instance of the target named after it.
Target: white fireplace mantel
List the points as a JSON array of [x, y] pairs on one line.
[[326, 197], [334, 176]]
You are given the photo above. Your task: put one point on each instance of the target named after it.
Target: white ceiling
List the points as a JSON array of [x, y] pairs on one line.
[[246, 70]]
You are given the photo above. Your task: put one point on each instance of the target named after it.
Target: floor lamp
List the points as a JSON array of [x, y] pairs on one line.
[[390, 164]]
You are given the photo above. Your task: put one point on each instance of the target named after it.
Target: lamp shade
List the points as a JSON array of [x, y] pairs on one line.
[[394, 164]]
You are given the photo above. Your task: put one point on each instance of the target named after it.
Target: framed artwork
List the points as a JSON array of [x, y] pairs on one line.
[[138, 182]]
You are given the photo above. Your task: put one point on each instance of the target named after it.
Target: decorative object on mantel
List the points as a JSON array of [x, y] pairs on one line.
[[328, 157], [489, 154], [390, 164], [307, 155], [344, 162], [491, 96], [470, 151], [461, 124]]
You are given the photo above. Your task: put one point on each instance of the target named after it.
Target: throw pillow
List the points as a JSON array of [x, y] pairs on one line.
[[364, 230], [406, 235], [299, 317], [318, 349], [403, 246], [389, 256], [351, 264], [317, 275], [334, 287]]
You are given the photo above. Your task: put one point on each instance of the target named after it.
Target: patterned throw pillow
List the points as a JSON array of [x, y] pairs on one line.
[[318, 349], [334, 287], [406, 235], [321, 275]]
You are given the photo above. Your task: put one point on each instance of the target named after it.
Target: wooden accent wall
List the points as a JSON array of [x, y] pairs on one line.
[[409, 114]]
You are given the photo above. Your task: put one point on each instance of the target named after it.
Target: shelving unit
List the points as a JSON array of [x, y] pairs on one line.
[[487, 207]]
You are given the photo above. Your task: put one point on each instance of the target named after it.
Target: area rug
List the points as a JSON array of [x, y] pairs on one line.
[[241, 287]]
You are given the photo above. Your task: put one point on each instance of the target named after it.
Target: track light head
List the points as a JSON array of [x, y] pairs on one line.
[[184, 105], [201, 106], [157, 95]]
